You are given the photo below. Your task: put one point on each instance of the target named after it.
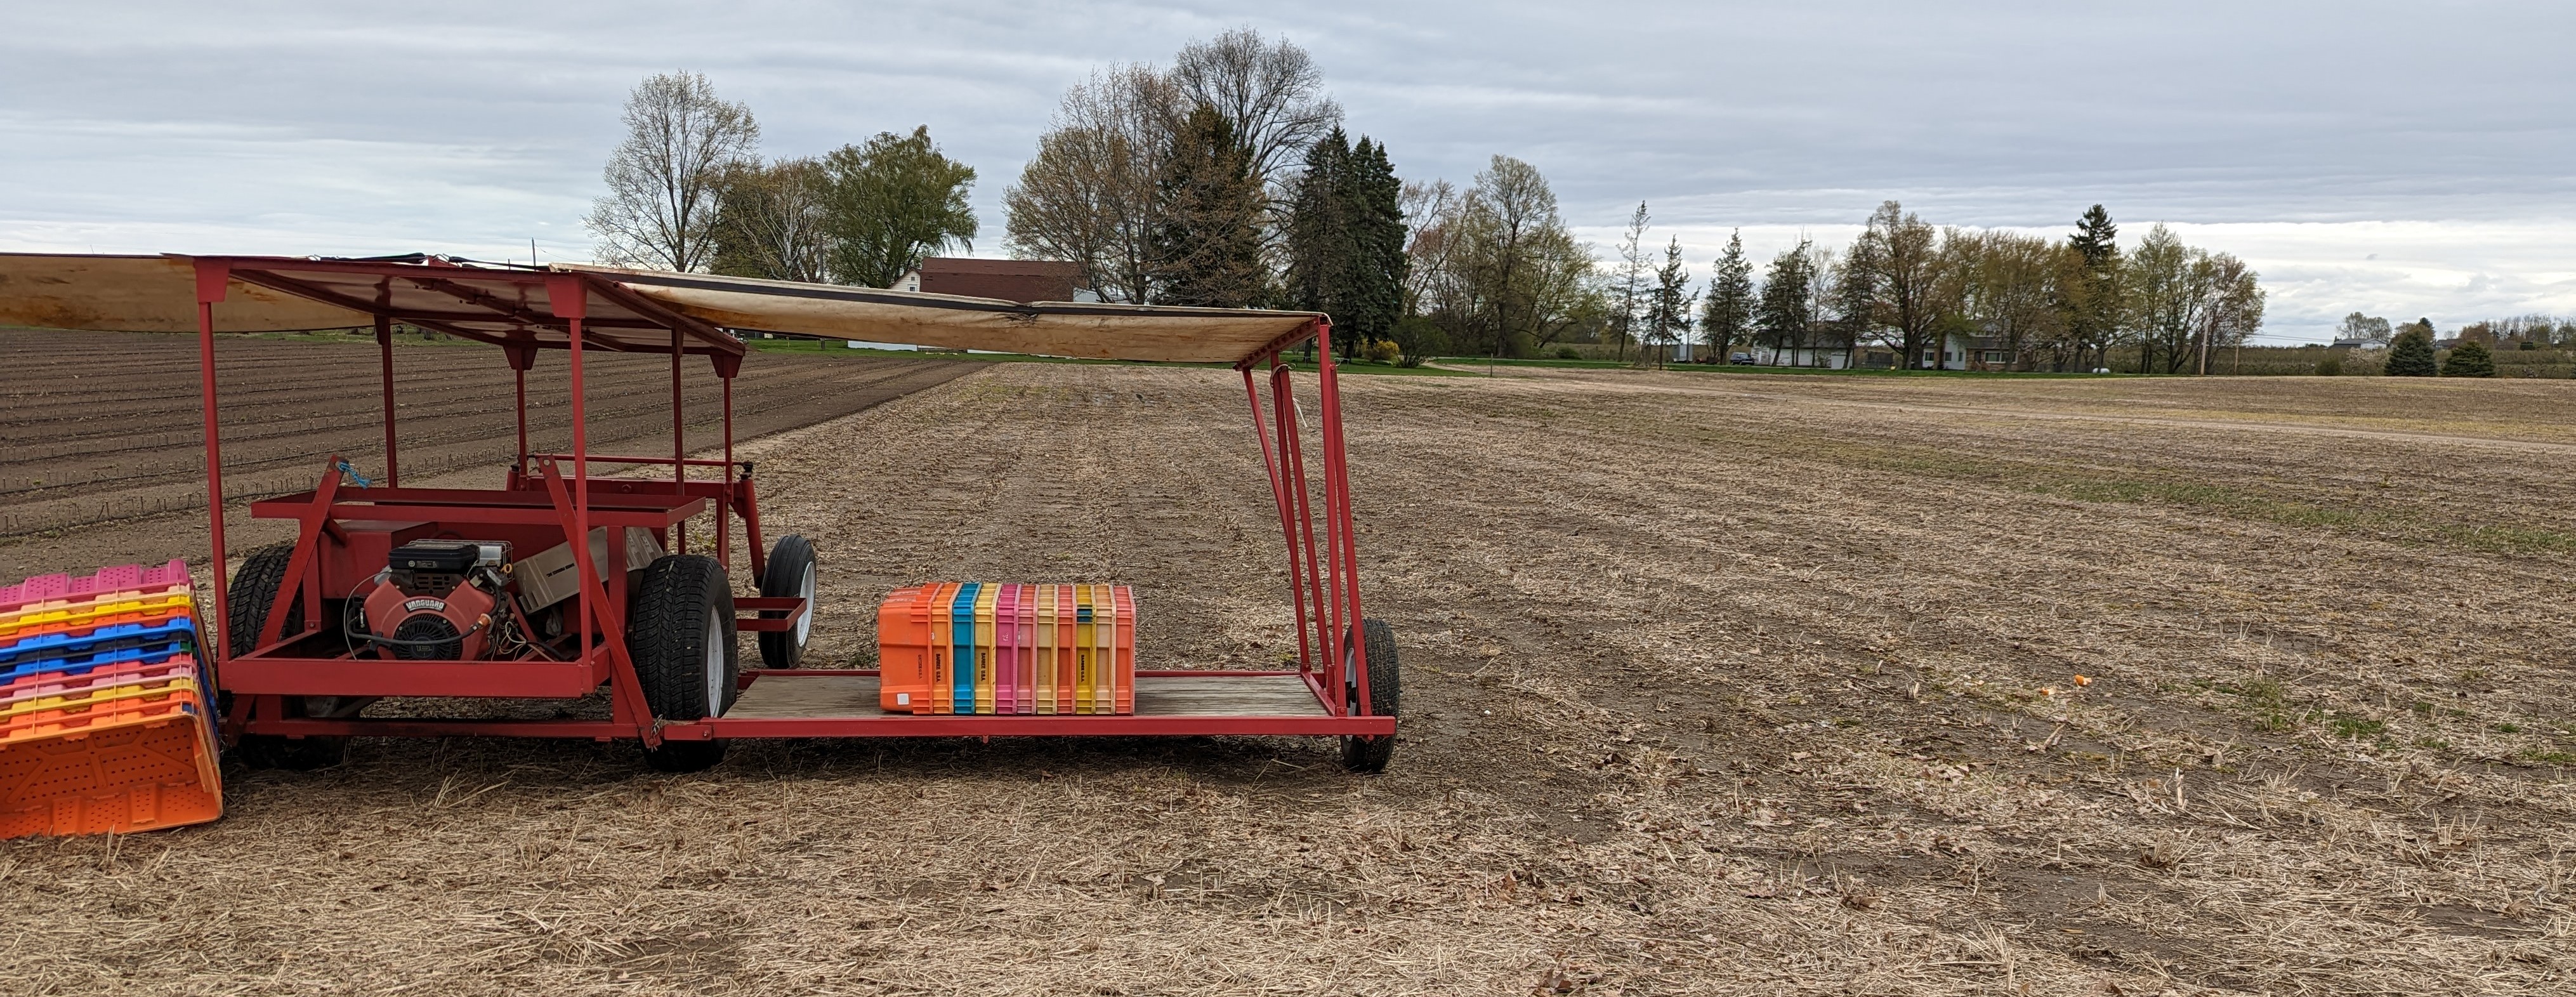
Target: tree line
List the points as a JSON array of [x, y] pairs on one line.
[[689, 191], [1224, 180], [1914, 295], [2520, 332], [2415, 349], [1227, 179]]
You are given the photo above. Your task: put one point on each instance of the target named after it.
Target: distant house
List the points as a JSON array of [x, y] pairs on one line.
[[1009, 280], [2357, 343], [1953, 351]]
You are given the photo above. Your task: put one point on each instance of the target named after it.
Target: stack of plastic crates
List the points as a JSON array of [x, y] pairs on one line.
[[105, 711], [1007, 649]]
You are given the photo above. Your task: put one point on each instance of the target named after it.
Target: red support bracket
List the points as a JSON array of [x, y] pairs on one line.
[[302, 571], [626, 699]]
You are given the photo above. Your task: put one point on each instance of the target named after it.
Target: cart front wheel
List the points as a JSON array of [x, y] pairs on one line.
[[680, 633], [1386, 692], [252, 594], [790, 573]]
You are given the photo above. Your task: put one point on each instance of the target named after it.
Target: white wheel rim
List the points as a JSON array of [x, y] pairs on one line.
[[715, 666], [805, 621]]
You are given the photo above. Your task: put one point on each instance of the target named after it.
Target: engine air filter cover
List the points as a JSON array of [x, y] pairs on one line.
[[428, 637]]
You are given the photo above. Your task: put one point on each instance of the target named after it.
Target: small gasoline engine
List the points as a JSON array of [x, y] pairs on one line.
[[443, 600]]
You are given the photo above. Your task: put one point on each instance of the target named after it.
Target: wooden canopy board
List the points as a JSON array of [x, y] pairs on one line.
[[628, 309]]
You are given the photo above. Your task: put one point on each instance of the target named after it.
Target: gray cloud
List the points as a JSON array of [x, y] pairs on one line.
[[2303, 136]]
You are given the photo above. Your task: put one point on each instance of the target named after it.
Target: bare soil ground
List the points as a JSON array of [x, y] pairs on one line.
[[103, 428], [1714, 685]]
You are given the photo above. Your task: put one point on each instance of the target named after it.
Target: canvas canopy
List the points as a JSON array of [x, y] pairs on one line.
[[625, 309]]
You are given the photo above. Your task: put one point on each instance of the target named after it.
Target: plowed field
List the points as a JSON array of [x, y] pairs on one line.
[[103, 427], [1714, 685]]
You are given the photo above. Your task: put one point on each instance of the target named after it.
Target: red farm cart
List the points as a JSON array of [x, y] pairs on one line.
[[390, 592]]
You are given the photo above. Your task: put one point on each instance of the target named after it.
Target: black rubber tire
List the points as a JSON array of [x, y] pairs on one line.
[[680, 604], [1386, 697], [247, 603], [790, 572]]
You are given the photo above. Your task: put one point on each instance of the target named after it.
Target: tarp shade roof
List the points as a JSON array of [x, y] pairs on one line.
[[627, 309]]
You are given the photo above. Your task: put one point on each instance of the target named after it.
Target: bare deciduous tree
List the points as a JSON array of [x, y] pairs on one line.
[[772, 222], [2011, 283], [1271, 92], [1901, 255], [1632, 278], [1523, 281], [664, 179], [1088, 195]]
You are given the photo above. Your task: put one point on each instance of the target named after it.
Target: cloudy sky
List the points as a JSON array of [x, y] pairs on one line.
[[2401, 159]]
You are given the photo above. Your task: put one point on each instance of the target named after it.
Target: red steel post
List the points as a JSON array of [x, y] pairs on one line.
[[213, 278], [570, 299], [724, 476], [1284, 398], [520, 375], [1339, 520], [1334, 609], [1279, 494], [385, 351]]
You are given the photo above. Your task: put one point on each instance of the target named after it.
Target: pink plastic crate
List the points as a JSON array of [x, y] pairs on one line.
[[124, 580]]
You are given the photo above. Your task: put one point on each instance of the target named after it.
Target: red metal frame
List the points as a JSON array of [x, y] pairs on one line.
[[539, 502]]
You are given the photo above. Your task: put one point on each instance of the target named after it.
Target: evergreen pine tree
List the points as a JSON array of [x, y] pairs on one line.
[[2469, 359], [1726, 314], [1207, 237], [2093, 305], [2411, 355], [1788, 300], [1378, 264], [1668, 307], [2096, 238], [1855, 302], [1320, 244]]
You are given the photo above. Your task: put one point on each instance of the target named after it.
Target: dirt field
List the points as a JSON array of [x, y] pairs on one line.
[[103, 427], [1714, 685]]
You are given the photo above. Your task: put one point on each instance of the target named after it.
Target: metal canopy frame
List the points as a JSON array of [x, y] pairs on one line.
[[525, 310]]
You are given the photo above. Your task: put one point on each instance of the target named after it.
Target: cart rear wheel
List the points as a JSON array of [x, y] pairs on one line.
[[1386, 692], [790, 573], [680, 633], [248, 601]]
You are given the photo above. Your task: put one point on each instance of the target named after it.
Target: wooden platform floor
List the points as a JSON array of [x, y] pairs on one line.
[[817, 697]]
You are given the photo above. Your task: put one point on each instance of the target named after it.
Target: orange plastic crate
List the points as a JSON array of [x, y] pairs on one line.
[[905, 677], [118, 770]]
